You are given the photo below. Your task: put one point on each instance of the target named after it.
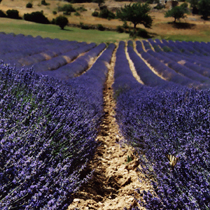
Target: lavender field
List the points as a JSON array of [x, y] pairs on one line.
[[51, 108]]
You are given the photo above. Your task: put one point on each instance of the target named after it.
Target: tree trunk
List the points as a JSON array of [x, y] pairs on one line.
[[135, 27]]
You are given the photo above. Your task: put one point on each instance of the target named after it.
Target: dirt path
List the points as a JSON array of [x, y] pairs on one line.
[[115, 179]]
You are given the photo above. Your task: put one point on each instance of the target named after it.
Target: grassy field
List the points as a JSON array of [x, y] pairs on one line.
[[28, 28]]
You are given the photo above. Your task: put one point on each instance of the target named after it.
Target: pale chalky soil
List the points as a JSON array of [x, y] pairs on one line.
[[114, 180]]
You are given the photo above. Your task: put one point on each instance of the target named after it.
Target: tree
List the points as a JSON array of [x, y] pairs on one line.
[[194, 6], [204, 8], [62, 21], [37, 17], [177, 12], [136, 13]]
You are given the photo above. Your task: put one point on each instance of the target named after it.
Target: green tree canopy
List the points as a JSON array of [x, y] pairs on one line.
[[204, 8], [177, 12], [136, 13], [62, 21]]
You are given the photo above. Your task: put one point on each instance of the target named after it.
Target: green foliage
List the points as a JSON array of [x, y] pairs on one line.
[[159, 6], [29, 5], [100, 27], [61, 21], [54, 12], [2, 14], [166, 49], [83, 26], [152, 1], [120, 29], [67, 8], [204, 8], [43, 2], [95, 14], [136, 13], [53, 21], [77, 13], [81, 9], [176, 12], [193, 3], [105, 13], [139, 33], [184, 6], [66, 13], [125, 25], [194, 6], [13, 13], [129, 159], [37, 17]]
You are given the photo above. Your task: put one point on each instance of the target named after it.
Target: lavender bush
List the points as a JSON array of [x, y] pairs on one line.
[[76, 67], [161, 122], [47, 132]]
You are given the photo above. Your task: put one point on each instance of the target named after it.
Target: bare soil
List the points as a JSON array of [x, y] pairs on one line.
[[115, 179]]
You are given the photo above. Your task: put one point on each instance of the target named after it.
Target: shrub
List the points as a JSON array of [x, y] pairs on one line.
[[83, 26], [68, 8], [29, 5], [125, 25], [43, 2], [53, 21], [105, 13], [81, 9], [66, 13], [12, 13], [140, 33], [54, 12], [100, 27], [37, 17], [2, 14], [95, 14], [61, 21], [77, 14], [120, 29]]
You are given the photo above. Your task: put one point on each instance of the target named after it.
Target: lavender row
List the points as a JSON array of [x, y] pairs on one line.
[[23, 50], [123, 76], [61, 60], [168, 122], [92, 82], [167, 72], [180, 68], [77, 67], [47, 135], [186, 49], [174, 122], [197, 63], [145, 73], [194, 64], [50, 54]]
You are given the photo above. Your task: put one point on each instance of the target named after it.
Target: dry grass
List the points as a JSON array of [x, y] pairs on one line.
[[196, 29]]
